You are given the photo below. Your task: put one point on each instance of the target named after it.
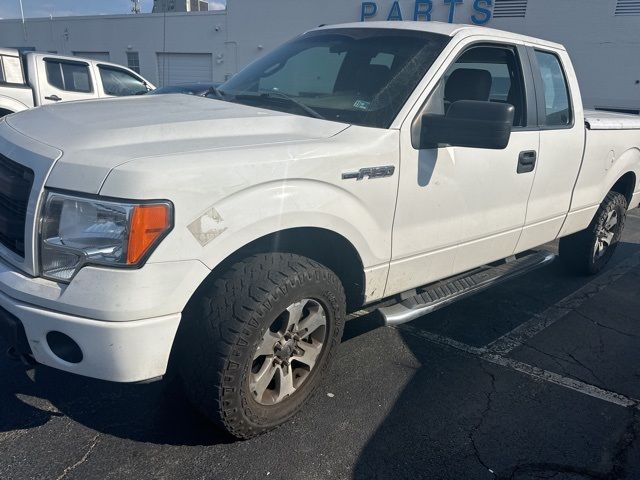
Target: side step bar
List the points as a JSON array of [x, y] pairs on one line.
[[438, 295]]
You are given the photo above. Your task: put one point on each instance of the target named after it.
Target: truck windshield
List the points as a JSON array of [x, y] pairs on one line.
[[360, 76]]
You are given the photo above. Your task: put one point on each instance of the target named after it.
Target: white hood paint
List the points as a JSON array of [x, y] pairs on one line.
[[97, 136]]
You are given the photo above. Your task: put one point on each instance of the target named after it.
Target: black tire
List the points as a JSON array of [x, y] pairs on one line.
[[226, 322], [578, 252]]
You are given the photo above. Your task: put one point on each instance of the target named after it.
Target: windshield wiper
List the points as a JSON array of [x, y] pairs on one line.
[[216, 91], [304, 107], [283, 96]]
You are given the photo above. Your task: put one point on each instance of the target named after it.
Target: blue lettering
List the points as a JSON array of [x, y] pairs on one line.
[[423, 10], [395, 13], [369, 10], [480, 7], [452, 8]]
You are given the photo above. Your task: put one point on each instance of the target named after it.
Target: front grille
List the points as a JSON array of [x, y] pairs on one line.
[[15, 188]]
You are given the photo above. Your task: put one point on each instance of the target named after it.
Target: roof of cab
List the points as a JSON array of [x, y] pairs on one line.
[[449, 29], [12, 52]]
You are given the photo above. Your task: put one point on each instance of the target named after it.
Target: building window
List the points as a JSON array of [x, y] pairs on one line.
[[133, 61]]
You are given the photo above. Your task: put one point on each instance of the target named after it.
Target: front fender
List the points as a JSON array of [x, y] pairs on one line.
[[275, 206], [226, 199]]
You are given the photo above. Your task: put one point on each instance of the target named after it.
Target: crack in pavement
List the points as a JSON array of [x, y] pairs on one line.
[[603, 384], [70, 468], [606, 327], [557, 359], [483, 415]]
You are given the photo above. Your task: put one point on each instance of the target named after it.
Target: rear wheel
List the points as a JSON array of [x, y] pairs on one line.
[[257, 342], [589, 251]]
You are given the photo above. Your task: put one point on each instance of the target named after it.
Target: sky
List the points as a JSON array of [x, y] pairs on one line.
[[62, 8]]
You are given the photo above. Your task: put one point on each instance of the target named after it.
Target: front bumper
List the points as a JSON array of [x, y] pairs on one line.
[[122, 321], [116, 351]]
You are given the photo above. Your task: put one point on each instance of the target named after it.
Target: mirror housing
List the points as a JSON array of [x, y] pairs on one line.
[[467, 123]]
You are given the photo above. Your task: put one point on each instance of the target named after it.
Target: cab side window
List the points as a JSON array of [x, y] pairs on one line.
[[120, 83], [69, 76], [557, 105], [487, 73]]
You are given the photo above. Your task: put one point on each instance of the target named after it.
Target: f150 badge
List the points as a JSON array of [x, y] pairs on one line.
[[370, 172]]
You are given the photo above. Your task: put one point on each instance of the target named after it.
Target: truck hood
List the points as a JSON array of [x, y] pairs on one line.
[[97, 136]]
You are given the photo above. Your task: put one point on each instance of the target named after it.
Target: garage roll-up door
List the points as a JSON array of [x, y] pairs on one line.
[[177, 68]]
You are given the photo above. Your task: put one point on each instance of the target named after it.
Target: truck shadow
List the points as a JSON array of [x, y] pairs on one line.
[[157, 413], [449, 414]]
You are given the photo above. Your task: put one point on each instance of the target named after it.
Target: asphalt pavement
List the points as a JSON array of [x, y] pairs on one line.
[[537, 378]]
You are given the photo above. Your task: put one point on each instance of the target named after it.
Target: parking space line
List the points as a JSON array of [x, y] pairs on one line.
[[524, 368], [519, 335]]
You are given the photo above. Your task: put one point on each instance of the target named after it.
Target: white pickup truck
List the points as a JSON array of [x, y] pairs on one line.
[[394, 166], [32, 79]]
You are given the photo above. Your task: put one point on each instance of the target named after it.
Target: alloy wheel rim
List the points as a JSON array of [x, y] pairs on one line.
[[606, 235], [288, 352]]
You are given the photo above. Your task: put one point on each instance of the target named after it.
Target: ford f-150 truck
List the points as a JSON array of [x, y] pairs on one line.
[[392, 166], [32, 79]]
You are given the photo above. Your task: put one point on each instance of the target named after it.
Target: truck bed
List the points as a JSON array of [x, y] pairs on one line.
[[599, 120]]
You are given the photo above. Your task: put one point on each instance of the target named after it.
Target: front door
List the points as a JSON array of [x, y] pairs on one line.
[[459, 208], [64, 81]]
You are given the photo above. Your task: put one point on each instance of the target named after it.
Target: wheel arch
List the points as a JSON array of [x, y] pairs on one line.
[[322, 245], [10, 105], [5, 111], [625, 185]]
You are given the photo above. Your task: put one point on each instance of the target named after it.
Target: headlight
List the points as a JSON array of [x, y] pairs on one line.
[[79, 231]]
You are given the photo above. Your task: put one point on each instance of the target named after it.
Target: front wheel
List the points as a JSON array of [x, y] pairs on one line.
[[589, 251], [257, 342]]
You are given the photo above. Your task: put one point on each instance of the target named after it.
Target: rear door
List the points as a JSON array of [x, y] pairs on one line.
[[562, 137], [62, 80], [459, 208]]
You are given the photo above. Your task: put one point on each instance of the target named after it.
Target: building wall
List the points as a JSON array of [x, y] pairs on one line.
[[605, 47], [148, 34]]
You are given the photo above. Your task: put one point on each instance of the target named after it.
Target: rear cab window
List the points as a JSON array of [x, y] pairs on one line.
[[11, 70], [556, 111], [69, 76]]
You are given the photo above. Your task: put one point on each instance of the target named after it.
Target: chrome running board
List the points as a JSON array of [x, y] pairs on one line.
[[446, 292]]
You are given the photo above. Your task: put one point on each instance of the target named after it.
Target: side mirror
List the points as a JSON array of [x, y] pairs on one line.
[[467, 123]]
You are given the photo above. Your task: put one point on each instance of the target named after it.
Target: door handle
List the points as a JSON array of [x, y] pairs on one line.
[[527, 161], [53, 98]]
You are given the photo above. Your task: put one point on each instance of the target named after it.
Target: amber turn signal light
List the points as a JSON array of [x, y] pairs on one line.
[[148, 224]]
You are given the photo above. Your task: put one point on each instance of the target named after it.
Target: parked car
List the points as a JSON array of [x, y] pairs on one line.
[[197, 89], [31, 79], [391, 166]]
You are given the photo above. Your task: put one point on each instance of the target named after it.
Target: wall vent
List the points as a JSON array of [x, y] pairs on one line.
[[628, 7], [512, 8]]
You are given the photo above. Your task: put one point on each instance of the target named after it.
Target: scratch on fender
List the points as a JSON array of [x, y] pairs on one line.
[[207, 227]]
